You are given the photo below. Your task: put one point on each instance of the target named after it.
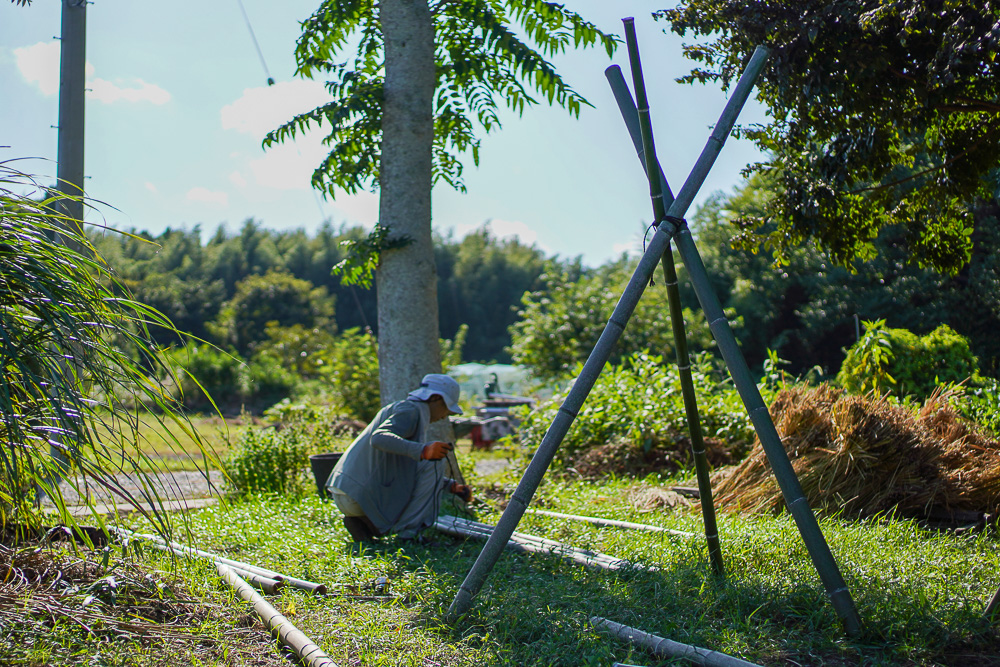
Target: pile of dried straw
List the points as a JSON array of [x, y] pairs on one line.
[[862, 455]]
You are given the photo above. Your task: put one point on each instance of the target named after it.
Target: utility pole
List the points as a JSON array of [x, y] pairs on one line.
[[72, 65]]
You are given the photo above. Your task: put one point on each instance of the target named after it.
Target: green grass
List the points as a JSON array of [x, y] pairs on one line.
[[920, 593], [167, 446]]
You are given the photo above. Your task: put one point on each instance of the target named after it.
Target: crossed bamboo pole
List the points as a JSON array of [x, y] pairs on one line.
[[788, 482], [659, 195], [658, 245], [673, 227]]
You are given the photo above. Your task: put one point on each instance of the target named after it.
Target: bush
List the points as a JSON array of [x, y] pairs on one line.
[[981, 404], [641, 402], [899, 361], [353, 374], [205, 368], [268, 460]]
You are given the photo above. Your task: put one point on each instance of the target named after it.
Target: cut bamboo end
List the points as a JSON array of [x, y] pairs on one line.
[[280, 627]]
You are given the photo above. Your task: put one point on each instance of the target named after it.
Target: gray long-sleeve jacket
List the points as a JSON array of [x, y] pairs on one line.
[[379, 469]]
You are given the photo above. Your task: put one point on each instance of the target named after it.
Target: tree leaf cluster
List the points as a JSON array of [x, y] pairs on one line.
[[882, 112], [482, 64]]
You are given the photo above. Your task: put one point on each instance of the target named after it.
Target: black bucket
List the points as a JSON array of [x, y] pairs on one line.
[[322, 465]]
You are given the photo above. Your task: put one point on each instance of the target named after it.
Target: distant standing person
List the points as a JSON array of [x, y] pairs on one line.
[[390, 480]]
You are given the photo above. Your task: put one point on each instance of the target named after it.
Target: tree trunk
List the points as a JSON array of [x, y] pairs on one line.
[[406, 278]]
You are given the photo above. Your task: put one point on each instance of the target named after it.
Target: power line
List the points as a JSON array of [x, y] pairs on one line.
[[260, 53]]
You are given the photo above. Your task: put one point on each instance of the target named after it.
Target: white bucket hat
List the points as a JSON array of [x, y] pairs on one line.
[[443, 386]]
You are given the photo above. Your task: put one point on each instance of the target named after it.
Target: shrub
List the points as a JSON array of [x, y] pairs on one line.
[[640, 402], [353, 374], [981, 404], [205, 368], [268, 460], [899, 361]]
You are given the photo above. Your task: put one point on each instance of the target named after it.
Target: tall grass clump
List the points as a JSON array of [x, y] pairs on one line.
[[76, 361], [268, 460]]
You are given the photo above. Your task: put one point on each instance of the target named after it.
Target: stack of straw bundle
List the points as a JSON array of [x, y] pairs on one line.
[[863, 455]]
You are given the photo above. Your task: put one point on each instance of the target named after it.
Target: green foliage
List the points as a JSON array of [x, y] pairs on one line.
[[981, 404], [451, 350], [559, 327], [273, 297], [481, 63], [304, 352], [353, 374], [481, 280], [363, 255], [205, 372], [898, 361], [268, 460], [75, 359], [881, 113], [640, 402]]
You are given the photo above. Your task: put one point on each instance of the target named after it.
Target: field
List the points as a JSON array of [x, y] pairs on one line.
[[920, 593]]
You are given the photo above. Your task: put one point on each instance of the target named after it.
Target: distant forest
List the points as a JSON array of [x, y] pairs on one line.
[[803, 307]]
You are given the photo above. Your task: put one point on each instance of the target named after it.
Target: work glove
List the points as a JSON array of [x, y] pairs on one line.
[[463, 491], [435, 451]]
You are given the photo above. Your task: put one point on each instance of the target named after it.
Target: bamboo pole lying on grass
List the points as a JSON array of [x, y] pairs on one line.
[[524, 542], [269, 585], [668, 648], [597, 521], [279, 626], [182, 550]]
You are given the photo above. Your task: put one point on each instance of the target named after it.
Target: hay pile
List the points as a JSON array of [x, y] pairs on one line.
[[862, 455]]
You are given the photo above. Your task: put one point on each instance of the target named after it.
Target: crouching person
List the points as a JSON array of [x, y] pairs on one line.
[[390, 480]]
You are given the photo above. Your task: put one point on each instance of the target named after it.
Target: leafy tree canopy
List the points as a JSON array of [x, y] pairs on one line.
[[882, 112], [481, 63]]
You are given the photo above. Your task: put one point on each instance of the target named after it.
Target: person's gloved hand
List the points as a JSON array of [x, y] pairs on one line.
[[463, 491], [435, 451]]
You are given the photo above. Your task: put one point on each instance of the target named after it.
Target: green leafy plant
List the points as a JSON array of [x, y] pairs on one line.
[[353, 374], [899, 361], [640, 402], [76, 360], [268, 460]]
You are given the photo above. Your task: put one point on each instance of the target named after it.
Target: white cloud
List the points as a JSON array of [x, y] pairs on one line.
[[206, 196], [263, 109], [502, 229], [139, 91], [630, 247], [287, 166], [236, 178], [39, 65], [151, 187]]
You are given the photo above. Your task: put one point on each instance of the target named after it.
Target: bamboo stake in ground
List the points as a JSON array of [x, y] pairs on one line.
[[991, 608], [279, 626], [597, 521], [668, 648], [602, 351], [819, 551], [658, 195]]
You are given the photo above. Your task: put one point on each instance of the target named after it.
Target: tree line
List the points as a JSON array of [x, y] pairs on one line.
[[546, 312]]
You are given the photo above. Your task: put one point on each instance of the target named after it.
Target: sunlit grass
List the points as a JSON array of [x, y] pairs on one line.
[[920, 593]]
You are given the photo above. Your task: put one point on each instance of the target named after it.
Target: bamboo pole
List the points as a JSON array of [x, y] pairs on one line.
[[597, 521], [269, 585], [991, 608], [788, 483], [602, 351], [668, 648], [658, 196], [525, 543], [280, 627], [182, 550]]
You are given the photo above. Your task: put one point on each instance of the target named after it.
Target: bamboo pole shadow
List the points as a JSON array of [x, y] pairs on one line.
[[673, 227]]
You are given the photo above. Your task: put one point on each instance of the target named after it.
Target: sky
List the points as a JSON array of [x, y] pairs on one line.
[[177, 106]]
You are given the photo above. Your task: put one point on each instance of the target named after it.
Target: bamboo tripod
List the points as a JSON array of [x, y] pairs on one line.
[[671, 226]]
